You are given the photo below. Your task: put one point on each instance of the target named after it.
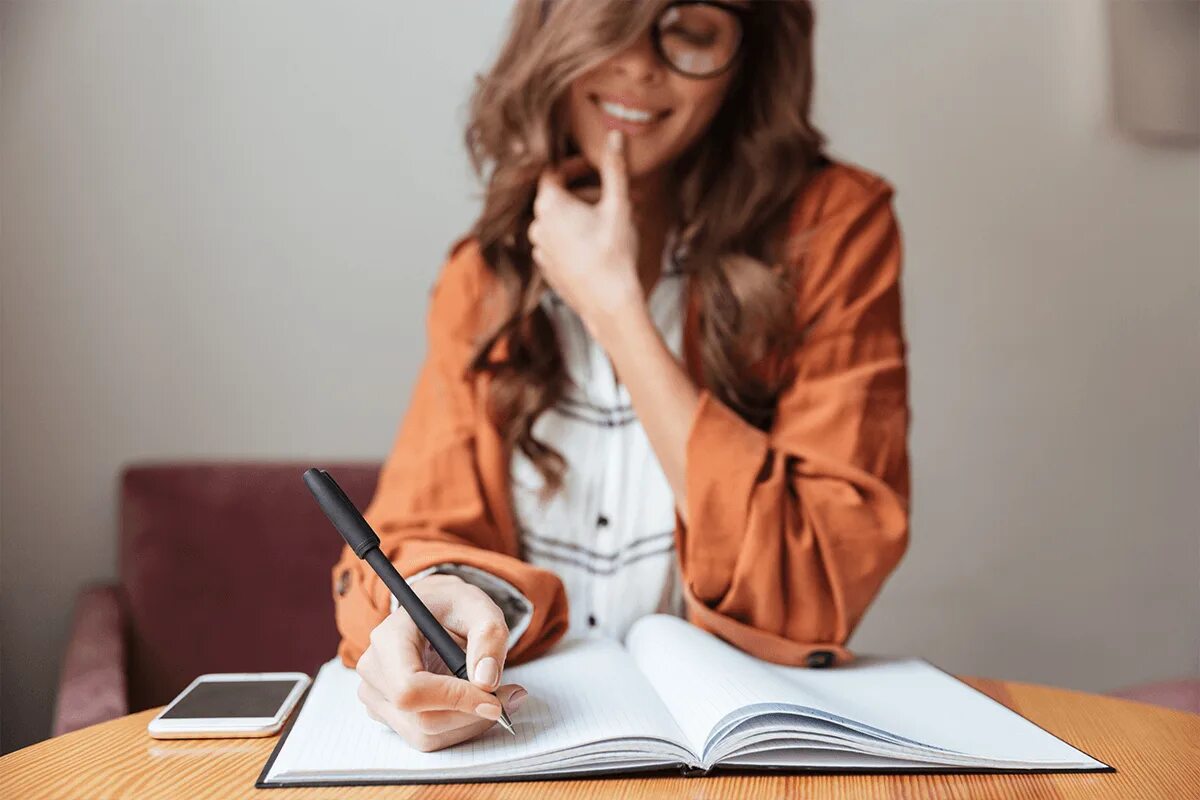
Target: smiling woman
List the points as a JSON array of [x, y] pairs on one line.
[[683, 390], [725, 165], [699, 41]]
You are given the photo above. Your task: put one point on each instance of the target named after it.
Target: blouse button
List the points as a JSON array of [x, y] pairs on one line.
[[591, 620], [601, 521]]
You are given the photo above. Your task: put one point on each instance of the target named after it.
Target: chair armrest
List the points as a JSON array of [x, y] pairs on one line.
[[91, 686]]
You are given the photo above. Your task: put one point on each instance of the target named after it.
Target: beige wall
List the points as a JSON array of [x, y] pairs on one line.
[[203, 200]]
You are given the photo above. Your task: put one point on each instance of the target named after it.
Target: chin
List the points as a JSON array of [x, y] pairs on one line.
[[638, 161]]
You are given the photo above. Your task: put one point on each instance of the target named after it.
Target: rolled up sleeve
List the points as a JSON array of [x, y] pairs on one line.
[[792, 532], [429, 508]]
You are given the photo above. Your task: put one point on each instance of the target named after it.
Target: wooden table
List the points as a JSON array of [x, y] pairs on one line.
[[1156, 753]]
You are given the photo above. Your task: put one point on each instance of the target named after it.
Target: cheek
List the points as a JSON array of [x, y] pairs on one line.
[[700, 115], [577, 117], [690, 125]]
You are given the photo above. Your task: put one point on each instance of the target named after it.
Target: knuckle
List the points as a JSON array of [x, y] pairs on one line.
[[475, 594], [488, 616], [406, 695], [378, 634], [492, 629], [456, 694], [434, 584]]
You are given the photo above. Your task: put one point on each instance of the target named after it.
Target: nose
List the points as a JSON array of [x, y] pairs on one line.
[[639, 62]]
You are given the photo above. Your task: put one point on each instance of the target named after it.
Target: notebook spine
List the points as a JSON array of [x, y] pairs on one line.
[[688, 771]]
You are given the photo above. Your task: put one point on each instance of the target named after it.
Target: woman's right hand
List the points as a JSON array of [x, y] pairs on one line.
[[406, 685]]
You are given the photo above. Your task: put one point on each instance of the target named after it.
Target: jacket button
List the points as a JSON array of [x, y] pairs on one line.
[[818, 658], [343, 583]]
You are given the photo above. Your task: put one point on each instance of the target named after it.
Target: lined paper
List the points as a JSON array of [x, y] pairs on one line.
[[673, 690], [583, 693]]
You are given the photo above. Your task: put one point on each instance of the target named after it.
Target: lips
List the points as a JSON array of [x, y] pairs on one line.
[[630, 102]]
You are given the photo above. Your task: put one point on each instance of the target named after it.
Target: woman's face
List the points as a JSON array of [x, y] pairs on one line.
[[638, 79]]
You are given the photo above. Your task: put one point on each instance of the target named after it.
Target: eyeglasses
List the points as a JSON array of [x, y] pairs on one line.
[[700, 38], [696, 38]]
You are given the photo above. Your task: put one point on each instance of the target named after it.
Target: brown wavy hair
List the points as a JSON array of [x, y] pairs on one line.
[[733, 188]]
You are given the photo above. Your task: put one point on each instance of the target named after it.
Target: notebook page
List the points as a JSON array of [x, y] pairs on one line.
[[700, 678], [911, 698], [580, 693]]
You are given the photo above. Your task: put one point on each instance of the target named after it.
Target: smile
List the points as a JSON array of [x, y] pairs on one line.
[[629, 119]]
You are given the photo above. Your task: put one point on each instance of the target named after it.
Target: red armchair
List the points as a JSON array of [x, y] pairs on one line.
[[224, 567]]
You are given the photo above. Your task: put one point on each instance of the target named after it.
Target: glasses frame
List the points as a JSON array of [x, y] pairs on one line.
[[743, 15]]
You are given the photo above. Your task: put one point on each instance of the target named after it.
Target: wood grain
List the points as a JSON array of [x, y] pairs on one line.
[[1156, 752]]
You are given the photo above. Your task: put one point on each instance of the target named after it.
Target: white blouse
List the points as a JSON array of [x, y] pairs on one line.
[[609, 532]]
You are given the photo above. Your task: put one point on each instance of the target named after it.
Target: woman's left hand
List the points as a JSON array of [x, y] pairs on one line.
[[588, 253]]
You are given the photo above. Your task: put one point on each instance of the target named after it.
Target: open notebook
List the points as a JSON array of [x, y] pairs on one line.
[[677, 697]]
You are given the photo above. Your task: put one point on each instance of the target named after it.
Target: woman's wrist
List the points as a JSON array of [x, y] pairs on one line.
[[620, 320]]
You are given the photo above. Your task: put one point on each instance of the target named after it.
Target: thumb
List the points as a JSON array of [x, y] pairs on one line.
[[613, 175]]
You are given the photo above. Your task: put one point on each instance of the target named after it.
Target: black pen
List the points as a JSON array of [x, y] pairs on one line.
[[365, 544]]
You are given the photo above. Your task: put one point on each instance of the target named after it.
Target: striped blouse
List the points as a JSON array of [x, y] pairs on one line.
[[609, 532]]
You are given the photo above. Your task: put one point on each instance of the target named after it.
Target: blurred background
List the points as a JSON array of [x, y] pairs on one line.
[[220, 222]]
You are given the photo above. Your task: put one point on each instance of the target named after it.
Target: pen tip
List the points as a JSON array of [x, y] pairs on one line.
[[506, 723]]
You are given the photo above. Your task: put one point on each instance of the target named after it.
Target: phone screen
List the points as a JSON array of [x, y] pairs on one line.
[[231, 699]]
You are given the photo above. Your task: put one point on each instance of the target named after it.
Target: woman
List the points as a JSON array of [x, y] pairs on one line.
[[688, 396]]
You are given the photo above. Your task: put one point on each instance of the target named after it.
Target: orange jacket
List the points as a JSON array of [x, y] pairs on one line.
[[790, 533]]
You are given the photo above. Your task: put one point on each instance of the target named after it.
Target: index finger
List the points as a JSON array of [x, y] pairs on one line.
[[614, 171], [425, 691], [470, 613]]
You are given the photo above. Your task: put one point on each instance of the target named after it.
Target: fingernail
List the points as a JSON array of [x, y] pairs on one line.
[[488, 711], [487, 672], [517, 699]]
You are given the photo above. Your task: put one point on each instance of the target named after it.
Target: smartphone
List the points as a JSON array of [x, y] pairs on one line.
[[231, 704]]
